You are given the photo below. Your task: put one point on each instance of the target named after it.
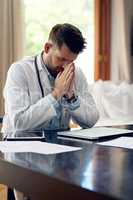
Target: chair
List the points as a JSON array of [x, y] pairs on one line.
[[10, 193], [1, 119]]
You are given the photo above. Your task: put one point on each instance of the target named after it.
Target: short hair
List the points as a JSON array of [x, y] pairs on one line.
[[69, 35]]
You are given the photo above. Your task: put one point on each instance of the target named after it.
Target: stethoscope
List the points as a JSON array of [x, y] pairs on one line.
[[39, 80], [38, 76]]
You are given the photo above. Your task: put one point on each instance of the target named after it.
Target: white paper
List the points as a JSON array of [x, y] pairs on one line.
[[113, 122], [35, 147], [125, 142]]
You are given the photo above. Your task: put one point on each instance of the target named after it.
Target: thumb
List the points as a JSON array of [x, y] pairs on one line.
[[58, 75]]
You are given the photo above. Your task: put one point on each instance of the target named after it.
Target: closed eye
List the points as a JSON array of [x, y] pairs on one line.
[[62, 59]]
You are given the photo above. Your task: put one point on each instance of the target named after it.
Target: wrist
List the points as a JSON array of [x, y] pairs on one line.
[[71, 99], [69, 95], [56, 94]]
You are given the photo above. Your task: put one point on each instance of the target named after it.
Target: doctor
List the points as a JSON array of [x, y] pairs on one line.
[[47, 90]]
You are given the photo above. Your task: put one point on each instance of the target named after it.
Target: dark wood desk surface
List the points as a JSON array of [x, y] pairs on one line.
[[95, 172]]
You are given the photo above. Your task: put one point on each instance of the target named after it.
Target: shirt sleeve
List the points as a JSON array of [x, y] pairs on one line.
[[86, 114], [21, 113]]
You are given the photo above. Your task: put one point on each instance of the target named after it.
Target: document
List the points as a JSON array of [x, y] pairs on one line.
[[113, 122], [125, 142], [35, 147]]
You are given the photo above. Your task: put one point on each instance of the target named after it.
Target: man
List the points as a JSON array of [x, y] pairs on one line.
[[46, 91]]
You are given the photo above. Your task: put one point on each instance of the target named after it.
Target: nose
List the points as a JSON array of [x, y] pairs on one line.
[[67, 62]]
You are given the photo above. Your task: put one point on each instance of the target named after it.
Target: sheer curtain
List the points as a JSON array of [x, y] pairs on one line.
[[120, 43], [11, 37]]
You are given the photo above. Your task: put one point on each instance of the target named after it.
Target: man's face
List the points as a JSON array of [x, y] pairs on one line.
[[57, 58]]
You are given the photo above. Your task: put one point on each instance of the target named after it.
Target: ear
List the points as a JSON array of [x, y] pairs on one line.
[[47, 47]]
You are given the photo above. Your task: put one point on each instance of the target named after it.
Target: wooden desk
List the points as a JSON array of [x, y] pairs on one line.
[[95, 172]]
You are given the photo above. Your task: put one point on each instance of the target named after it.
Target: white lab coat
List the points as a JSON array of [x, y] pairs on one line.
[[25, 109]]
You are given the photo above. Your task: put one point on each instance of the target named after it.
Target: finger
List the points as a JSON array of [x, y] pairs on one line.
[[67, 68], [71, 70], [64, 77], [69, 79], [70, 73], [72, 65], [72, 82], [71, 87]]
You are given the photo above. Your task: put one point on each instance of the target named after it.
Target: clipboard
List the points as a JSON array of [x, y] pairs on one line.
[[42, 139], [42, 135]]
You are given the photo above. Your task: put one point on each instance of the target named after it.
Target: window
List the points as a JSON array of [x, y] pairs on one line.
[[41, 15]]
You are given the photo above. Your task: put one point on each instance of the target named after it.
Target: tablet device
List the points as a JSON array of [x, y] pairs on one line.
[[95, 133]]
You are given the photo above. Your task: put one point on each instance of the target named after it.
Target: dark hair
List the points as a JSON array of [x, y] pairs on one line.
[[69, 35]]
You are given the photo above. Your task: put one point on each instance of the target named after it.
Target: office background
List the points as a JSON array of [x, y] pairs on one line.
[[112, 42], [113, 55]]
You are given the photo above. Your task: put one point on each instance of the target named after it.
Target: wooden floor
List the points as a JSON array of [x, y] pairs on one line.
[[3, 192], [3, 189]]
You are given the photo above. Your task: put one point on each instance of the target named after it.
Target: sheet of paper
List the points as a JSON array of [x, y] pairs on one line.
[[35, 147], [113, 122], [125, 142]]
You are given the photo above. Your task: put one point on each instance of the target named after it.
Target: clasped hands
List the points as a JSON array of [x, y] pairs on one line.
[[64, 82]]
